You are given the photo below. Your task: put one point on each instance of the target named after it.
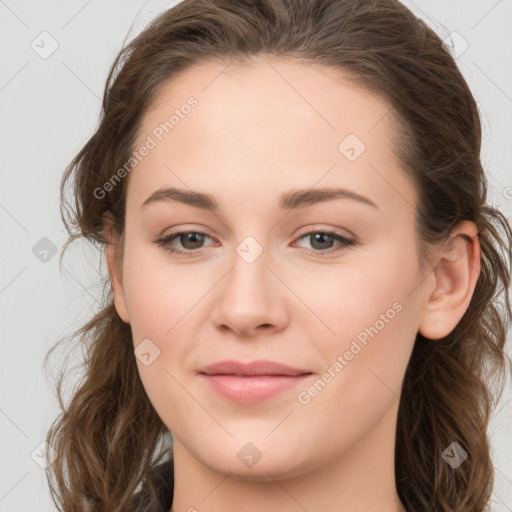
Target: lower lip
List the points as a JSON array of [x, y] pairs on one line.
[[252, 389]]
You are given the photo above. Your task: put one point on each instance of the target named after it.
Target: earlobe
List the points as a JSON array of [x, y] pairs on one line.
[[455, 277], [115, 273]]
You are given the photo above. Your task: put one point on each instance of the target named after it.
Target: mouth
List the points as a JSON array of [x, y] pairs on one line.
[[252, 382]]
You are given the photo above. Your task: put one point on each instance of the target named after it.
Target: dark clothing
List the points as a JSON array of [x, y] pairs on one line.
[[159, 487]]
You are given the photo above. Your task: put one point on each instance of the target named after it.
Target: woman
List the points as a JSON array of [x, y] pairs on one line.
[[301, 307]]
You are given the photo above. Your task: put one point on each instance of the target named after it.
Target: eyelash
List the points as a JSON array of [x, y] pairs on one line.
[[165, 241]]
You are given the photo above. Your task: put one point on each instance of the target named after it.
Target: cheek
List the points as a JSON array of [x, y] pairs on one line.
[[352, 296], [372, 317], [158, 294], [364, 369], [160, 300]]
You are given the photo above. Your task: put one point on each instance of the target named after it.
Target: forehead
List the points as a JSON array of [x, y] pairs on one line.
[[269, 124], [322, 99]]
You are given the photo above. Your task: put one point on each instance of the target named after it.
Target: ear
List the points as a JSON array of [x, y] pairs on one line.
[[114, 265], [453, 281]]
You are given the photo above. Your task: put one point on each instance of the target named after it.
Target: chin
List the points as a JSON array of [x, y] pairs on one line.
[[264, 470]]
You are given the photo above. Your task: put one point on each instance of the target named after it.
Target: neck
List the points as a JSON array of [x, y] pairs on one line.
[[361, 478]]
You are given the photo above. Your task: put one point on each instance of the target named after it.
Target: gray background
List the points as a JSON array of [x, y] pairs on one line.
[[50, 107]]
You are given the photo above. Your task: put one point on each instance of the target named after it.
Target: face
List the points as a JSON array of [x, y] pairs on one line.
[[328, 284]]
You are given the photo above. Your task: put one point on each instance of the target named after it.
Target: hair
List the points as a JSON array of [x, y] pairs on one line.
[[109, 438]]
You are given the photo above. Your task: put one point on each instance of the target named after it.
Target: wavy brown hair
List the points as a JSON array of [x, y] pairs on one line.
[[109, 439]]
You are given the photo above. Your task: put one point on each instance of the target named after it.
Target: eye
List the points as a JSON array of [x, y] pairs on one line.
[[321, 239], [192, 242]]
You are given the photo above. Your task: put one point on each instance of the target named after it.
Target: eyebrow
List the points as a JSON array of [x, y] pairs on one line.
[[289, 200]]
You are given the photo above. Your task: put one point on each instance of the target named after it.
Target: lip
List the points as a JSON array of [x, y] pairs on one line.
[[252, 382], [247, 390], [255, 368]]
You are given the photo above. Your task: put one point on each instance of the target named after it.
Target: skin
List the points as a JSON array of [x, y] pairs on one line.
[[259, 130]]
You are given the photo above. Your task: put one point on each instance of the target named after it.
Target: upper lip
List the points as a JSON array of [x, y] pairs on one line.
[[254, 368]]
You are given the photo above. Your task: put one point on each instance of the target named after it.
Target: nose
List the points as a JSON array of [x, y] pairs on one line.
[[251, 299]]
